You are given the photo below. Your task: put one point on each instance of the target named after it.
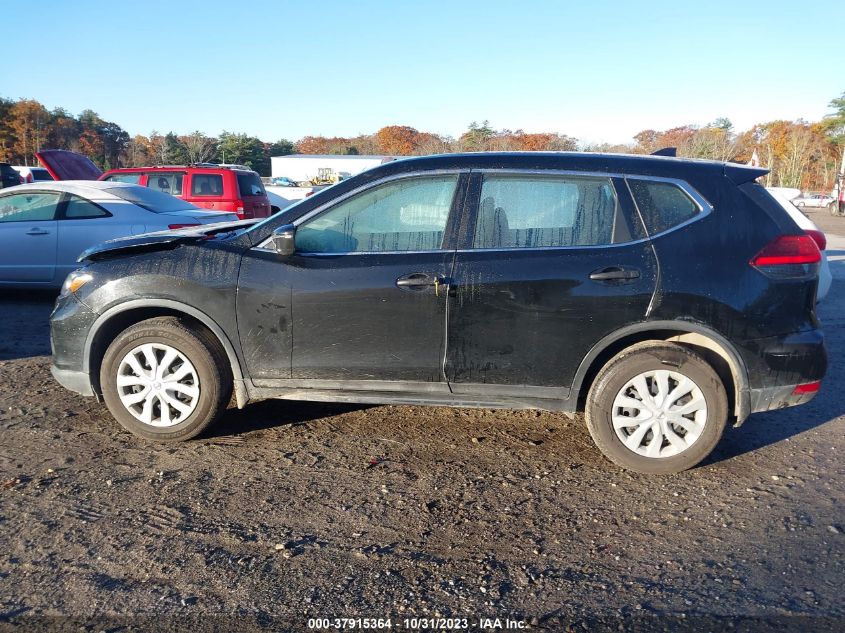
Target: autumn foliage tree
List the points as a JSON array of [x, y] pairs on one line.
[[400, 140], [798, 153]]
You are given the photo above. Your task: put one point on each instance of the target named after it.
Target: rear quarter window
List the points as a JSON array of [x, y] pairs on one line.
[[663, 205], [249, 184], [150, 199]]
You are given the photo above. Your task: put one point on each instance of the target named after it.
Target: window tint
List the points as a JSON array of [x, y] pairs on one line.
[[165, 182], [132, 179], [249, 184], [545, 211], [80, 209], [405, 215], [40, 174], [207, 185], [28, 207], [150, 199], [662, 204]]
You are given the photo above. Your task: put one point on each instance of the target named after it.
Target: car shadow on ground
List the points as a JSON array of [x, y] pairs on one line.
[[25, 323], [268, 414]]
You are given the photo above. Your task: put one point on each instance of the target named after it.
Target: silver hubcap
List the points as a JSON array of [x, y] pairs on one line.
[[158, 385], [659, 413]]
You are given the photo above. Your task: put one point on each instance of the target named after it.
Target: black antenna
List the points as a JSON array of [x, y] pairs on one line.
[[666, 151]]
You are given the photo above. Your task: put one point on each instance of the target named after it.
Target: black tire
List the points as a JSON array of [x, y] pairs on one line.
[[640, 359], [199, 347]]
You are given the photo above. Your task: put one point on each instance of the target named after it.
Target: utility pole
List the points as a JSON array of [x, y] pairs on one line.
[[840, 185]]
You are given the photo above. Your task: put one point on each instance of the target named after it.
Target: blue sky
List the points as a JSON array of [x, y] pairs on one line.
[[600, 70]]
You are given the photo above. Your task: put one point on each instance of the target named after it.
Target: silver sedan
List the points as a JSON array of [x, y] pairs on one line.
[[44, 226]]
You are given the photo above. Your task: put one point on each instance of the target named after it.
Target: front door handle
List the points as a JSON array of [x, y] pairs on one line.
[[37, 232], [418, 281], [615, 273]]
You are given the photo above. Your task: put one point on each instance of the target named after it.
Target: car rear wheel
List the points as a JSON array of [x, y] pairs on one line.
[[165, 380], [657, 408]]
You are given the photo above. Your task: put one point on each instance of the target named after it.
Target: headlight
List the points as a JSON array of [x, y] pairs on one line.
[[75, 281]]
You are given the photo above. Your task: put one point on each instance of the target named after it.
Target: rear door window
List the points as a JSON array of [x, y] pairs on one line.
[[207, 185], [538, 211], [249, 184], [662, 205], [166, 182]]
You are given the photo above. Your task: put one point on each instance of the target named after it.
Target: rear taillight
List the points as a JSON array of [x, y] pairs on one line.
[[818, 238], [789, 257], [807, 387], [788, 249], [181, 226]]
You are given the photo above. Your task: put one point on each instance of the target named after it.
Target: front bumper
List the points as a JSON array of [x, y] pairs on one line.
[[78, 381], [69, 326]]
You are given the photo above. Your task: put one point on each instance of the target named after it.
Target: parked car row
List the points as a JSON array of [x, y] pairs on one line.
[[234, 188], [663, 297], [44, 226], [13, 175]]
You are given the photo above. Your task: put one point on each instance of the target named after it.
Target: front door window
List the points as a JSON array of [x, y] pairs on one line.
[[399, 216]]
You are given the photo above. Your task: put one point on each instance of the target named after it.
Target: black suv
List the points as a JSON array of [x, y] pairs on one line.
[[663, 297], [9, 176]]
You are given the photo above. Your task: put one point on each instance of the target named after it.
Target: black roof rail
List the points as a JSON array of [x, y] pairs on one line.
[[666, 151]]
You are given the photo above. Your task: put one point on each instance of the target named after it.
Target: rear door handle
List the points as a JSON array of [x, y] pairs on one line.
[[614, 273], [37, 232]]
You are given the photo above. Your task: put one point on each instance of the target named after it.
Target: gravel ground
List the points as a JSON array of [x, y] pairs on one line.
[[289, 511]]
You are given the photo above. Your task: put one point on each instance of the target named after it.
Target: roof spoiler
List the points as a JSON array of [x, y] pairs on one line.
[[666, 151], [739, 174]]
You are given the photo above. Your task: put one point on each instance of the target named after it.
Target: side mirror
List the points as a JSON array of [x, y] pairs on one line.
[[283, 240]]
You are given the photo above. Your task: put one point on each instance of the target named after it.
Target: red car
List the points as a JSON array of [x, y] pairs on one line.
[[208, 186]]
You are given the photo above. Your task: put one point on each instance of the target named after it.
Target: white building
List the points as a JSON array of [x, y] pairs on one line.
[[305, 166]]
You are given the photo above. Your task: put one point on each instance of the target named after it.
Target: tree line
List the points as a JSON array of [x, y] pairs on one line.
[[798, 153]]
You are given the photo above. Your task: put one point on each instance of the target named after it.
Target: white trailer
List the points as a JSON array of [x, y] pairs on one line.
[[301, 167]]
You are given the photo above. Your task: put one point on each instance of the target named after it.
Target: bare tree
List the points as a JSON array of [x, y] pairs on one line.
[[200, 147]]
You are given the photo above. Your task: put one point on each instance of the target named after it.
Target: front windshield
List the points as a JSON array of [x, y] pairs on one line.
[[151, 200]]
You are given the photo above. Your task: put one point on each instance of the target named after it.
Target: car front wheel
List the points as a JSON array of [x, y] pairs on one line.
[[657, 408], [165, 380]]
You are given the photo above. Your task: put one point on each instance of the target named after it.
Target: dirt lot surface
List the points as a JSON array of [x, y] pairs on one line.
[[288, 511]]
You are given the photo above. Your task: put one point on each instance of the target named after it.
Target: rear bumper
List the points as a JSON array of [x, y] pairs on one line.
[[769, 398], [77, 381], [776, 366]]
